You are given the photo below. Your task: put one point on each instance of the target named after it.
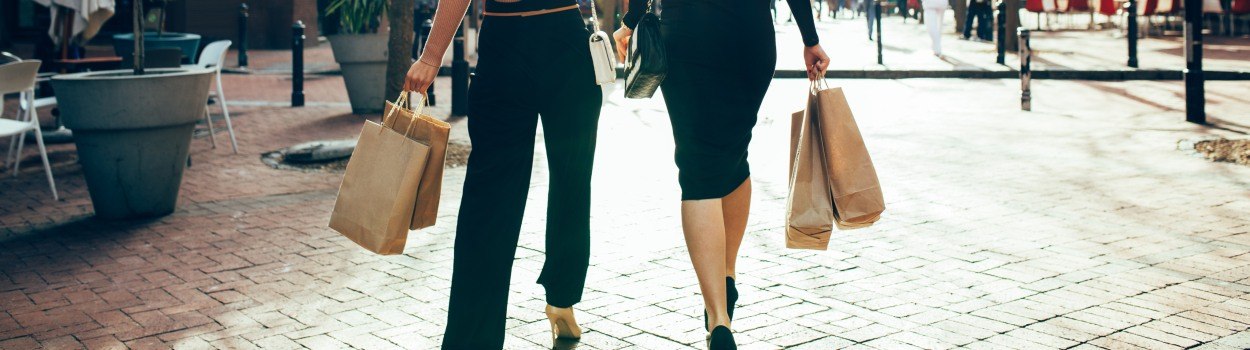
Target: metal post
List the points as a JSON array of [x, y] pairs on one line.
[[877, 7], [1026, 72], [243, 16], [1131, 7], [1195, 96], [459, 76], [1002, 32], [297, 64], [138, 23], [425, 33]]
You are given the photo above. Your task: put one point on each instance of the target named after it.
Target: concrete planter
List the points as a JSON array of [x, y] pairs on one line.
[[362, 57], [124, 44], [133, 134]]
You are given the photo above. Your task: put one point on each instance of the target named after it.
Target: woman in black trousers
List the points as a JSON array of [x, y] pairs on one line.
[[721, 58], [533, 64]]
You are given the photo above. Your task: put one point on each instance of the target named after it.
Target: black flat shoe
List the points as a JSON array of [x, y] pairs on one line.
[[721, 339]]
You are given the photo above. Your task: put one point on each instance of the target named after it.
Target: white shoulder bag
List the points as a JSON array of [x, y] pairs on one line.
[[601, 51]]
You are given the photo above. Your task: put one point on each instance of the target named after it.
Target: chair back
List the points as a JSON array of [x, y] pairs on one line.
[[6, 57], [18, 76], [1147, 7], [1034, 6], [1240, 7], [1078, 6], [214, 54], [1108, 7], [156, 57]]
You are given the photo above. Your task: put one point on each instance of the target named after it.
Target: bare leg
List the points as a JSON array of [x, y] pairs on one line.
[[735, 207], [704, 226]]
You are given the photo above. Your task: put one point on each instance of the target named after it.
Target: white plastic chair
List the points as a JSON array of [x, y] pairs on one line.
[[213, 56], [19, 77]]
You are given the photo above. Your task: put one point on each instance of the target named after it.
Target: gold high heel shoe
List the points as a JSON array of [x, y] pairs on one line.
[[563, 324]]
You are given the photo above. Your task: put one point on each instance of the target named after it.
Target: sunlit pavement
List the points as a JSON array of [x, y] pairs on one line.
[[1078, 225]]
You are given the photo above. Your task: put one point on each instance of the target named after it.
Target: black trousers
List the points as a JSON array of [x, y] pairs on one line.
[[982, 13], [529, 69]]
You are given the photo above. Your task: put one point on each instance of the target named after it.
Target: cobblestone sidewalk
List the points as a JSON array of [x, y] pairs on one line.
[[1079, 225]]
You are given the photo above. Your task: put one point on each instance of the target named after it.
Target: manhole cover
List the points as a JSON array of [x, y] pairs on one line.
[[316, 156], [295, 157], [1225, 150]]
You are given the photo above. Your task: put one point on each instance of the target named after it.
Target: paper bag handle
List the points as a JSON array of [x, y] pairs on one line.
[[818, 84], [403, 101]]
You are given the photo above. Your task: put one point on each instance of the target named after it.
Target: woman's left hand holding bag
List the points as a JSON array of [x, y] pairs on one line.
[[420, 76], [816, 62]]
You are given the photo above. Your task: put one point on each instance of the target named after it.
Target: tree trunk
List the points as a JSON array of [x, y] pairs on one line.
[[399, 46], [1013, 22], [961, 11]]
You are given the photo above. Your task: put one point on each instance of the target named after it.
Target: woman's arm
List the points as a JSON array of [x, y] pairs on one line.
[[636, 9], [802, 10], [447, 18], [446, 21]]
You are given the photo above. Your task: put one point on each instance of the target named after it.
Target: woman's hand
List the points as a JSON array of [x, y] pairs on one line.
[[622, 42], [420, 76], [816, 61]]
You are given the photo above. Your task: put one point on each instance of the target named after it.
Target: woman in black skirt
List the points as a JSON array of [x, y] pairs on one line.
[[721, 58]]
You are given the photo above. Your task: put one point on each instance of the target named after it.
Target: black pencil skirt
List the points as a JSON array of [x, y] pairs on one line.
[[722, 55]]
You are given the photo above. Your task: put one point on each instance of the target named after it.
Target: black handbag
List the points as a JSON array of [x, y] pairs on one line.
[[647, 64]]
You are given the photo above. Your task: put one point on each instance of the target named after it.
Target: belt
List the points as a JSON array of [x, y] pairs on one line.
[[530, 13]]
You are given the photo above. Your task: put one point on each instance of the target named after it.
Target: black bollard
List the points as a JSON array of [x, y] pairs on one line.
[[425, 33], [1026, 72], [877, 7], [1002, 32], [459, 76], [243, 15], [1195, 89], [297, 64], [1131, 7]]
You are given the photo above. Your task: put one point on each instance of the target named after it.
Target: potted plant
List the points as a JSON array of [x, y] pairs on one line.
[[361, 51], [123, 44], [133, 130]]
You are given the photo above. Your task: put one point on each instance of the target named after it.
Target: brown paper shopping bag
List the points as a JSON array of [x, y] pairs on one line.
[[853, 183], [832, 179], [375, 200], [809, 207], [431, 132]]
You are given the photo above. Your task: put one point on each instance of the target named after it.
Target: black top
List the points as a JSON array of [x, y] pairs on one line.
[[802, 10]]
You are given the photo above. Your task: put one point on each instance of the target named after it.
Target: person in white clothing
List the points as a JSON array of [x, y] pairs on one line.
[[934, 12]]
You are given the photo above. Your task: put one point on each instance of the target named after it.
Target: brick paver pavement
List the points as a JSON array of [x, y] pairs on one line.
[[1078, 225]]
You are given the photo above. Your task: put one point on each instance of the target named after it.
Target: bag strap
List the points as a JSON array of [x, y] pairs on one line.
[[594, 16], [403, 102], [818, 84]]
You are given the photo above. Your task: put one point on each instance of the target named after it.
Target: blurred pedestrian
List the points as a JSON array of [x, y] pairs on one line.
[[980, 11], [934, 13], [870, 8]]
